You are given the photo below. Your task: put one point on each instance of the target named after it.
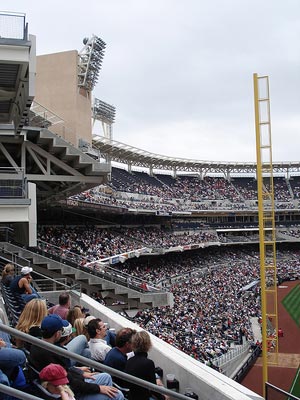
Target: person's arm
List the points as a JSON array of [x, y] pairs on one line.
[[157, 381], [25, 283], [78, 383]]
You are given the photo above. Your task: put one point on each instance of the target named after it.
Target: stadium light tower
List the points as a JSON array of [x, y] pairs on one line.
[[90, 61], [104, 113]]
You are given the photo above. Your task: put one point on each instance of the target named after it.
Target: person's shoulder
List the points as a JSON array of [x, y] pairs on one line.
[[112, 351], [110, 356], [16, 278], [132, 360], [107, 346]]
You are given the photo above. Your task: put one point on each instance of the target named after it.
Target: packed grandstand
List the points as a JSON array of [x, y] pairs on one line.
[[144, 230], [186, 255]]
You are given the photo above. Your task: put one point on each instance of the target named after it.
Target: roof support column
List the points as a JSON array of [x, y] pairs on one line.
[[227, 175], [151, 170], [201, 174]]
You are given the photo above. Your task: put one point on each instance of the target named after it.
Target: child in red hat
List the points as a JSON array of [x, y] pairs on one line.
[[54, 379]]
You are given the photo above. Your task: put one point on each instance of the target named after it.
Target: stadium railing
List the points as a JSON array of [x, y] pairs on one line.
[[88, 362]]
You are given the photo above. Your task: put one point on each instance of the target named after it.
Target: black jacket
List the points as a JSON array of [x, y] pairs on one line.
[[141, 367], [40, 358]]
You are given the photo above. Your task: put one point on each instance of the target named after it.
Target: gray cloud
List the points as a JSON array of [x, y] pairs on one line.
[[180, 72]]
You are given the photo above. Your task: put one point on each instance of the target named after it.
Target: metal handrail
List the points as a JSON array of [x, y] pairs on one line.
[[90, 363], [43, 277], [104, 271], [232, 354], [289, 395], [17, 393]]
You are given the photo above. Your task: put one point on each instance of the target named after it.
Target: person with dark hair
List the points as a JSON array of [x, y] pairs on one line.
[[63, 306], [110, 336], [98, 346], [85, 384], [117, 356]]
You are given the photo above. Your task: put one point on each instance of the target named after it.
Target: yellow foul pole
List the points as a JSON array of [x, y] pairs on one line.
[[266, 219], [261, 230]]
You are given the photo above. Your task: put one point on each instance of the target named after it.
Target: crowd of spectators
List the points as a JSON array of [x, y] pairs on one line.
[[17, 355], [94, 243], [211, 310], [45, 373], [186, 193]]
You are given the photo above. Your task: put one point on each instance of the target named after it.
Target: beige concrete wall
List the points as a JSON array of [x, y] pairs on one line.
[[57, 90]]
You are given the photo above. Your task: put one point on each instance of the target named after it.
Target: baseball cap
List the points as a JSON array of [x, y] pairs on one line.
[[26, 270], [87, 320], [55, 374], [52, 323], [67, 329]]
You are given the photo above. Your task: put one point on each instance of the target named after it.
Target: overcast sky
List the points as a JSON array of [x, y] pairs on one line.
[[180, 72]]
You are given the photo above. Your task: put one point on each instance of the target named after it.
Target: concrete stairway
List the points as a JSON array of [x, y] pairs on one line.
[[90, 282]]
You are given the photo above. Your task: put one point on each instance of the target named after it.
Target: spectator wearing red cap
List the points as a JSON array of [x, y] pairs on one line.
[[85, 384], [54, 379]]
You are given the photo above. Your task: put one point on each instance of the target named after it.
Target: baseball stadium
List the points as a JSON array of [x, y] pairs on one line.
[[203, 256]]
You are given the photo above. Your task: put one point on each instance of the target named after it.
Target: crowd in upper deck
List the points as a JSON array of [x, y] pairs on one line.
[[138, 190], [93, 243]]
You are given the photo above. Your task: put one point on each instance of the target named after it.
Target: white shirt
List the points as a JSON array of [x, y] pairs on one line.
[[99, 348]]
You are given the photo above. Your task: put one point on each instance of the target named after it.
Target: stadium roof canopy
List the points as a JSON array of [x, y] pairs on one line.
[[123, 153]]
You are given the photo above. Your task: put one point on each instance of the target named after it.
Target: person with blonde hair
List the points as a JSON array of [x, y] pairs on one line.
[[142, 367], [73, 314], [31, 318], [80, 328], [54, 379], [8, 274]]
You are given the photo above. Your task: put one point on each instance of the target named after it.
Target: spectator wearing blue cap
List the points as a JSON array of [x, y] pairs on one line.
[[85, 384]]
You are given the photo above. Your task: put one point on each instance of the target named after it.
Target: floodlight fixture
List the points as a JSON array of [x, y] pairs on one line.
[[90, 61], [103, 112]]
